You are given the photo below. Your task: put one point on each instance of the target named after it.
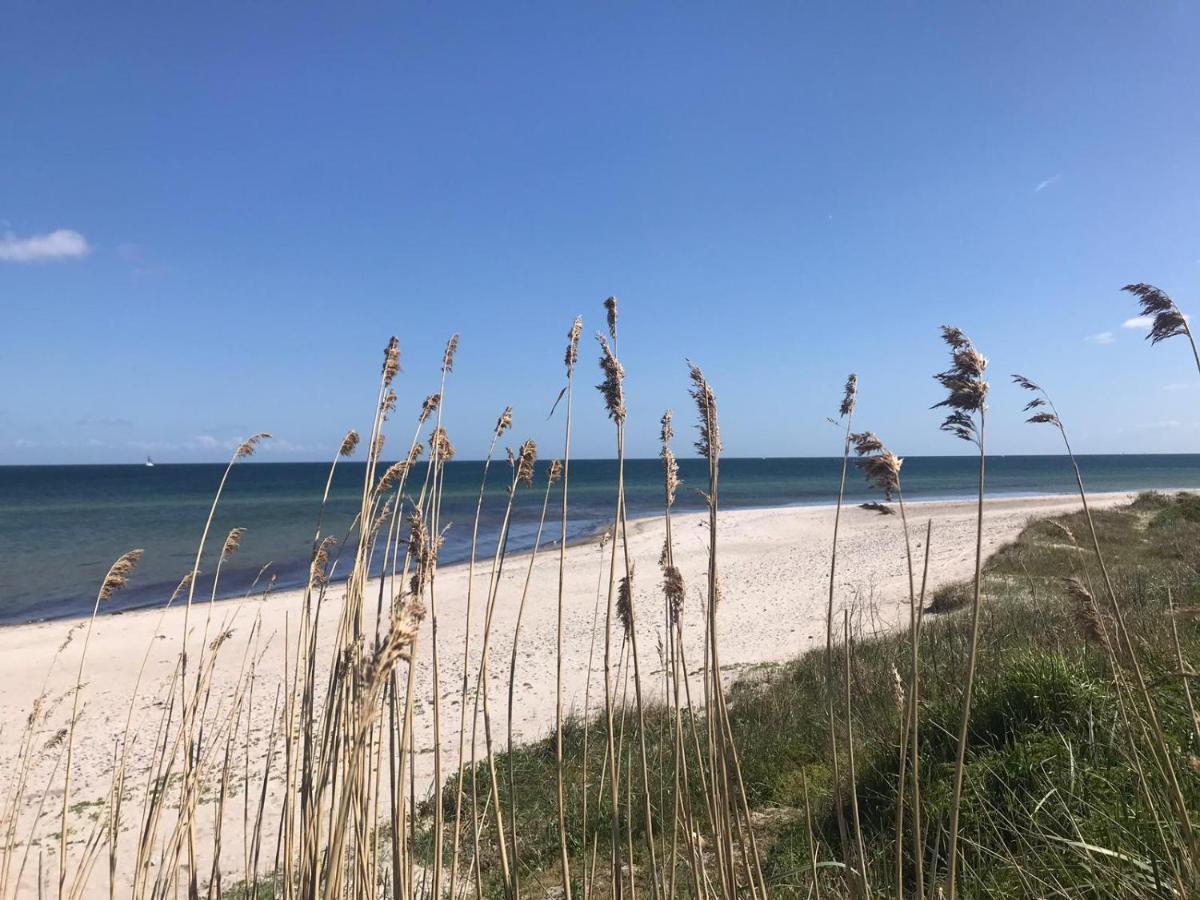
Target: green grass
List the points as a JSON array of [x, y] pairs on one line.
[[1051, 804]]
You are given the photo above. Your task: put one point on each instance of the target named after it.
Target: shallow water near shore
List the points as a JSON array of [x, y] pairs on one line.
[[64, 525]]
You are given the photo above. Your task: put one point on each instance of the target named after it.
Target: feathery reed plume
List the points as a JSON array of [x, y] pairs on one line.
[[967, 400], [504, 422], [118, 575], [318, 571], [625, 601], [440, 446], [448, 356], [708, 444], [673, 589], [611, 387], [391, 361], [247, 447], [1157, 305], [429, 407], [1087, 615], [349, 443], [610, 309], [526, 457], [388, 406], [554, 473], [670, 464], [392, 475], [879, 465], [572, 354], [850, 397], [232, 542]]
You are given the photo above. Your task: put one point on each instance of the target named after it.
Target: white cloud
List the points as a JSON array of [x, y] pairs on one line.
[[1104, 337], [1157, 426], [1138, 323], [60, 244], [1042, 185]]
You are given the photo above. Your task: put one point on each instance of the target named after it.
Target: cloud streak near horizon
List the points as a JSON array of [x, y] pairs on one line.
[[62, 243]]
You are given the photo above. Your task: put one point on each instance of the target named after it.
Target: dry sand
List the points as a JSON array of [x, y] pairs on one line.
[[774, 566]]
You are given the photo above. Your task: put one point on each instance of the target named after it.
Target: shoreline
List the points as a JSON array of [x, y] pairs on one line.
[[552, 544]]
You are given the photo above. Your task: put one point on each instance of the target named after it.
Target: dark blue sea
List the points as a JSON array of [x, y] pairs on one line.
[[61, 527]]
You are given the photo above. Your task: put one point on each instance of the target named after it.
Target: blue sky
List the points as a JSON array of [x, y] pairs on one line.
[[212, 216]]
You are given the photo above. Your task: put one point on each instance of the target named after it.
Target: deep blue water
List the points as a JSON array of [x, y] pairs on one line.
[[62, 526]]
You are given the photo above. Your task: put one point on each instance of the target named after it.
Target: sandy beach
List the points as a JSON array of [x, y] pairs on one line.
[[773, 565]]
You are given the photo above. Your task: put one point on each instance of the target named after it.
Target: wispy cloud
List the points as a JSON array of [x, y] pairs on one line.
[[142, 266], [60, 244], [1052, 180], [1157, 426], [1179, 386], [1138, 323], [1104, 337]]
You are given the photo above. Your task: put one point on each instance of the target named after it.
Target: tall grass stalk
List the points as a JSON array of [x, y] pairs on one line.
[[845, 413], [570, 359], [967, 401]]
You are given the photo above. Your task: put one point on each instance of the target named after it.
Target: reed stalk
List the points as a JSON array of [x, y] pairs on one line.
[[967, 400], [570, 359]]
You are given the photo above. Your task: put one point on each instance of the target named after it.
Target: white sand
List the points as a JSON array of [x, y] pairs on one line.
[[774, 566]]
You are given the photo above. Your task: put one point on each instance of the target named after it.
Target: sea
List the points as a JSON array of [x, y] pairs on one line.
[[61, 527]]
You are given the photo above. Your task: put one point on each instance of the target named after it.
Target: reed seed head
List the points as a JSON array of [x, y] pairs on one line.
[[967, 391], [610, 309], [611, 387], [391, 360], [349, 443], [232, 542], [850, 397], [180, 588], [391, 476], [625, 601], [1087, 615], [118, 575], [670, 464], [318, 572], [440, 447], [555, 472], [573, 336], [429, 407], [377, 446], [673, 590], [504, 422], [388, 406], [448, 356], [897, 690], [879, 465], [1041, 418], [250, 444], [1167, 320], [709, 443], [526, 457]]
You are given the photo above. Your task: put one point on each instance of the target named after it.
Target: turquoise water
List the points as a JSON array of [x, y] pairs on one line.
[[62, 526]]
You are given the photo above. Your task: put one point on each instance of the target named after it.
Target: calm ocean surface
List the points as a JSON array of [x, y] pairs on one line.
[[62, 526]]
